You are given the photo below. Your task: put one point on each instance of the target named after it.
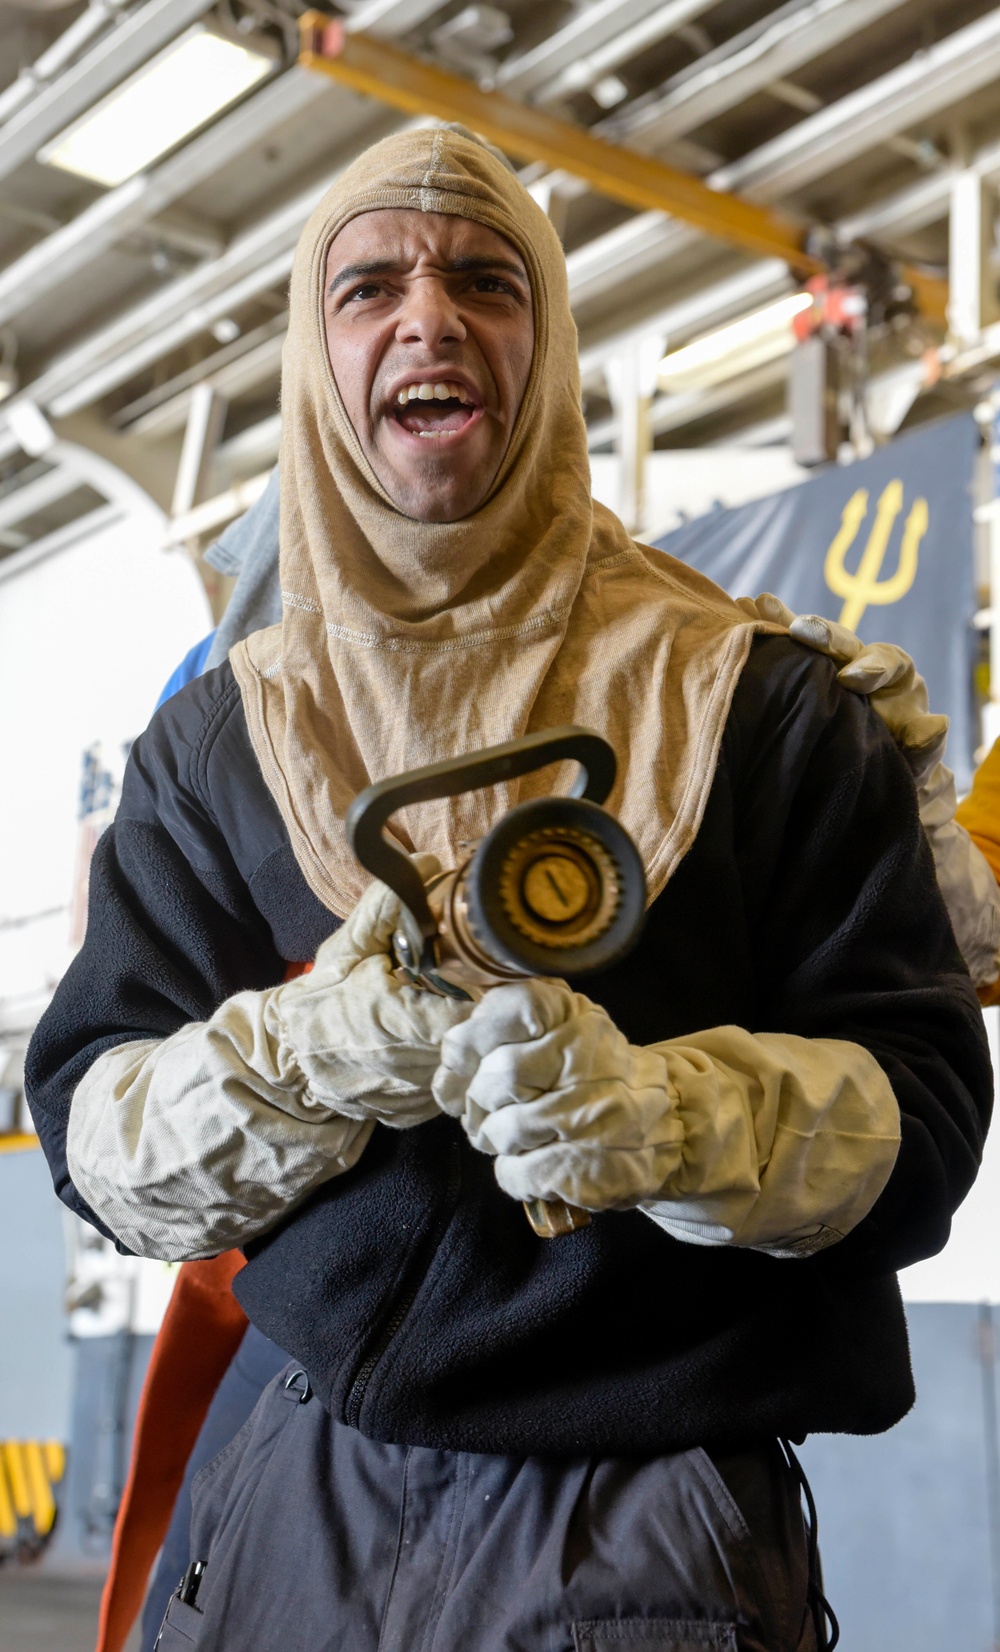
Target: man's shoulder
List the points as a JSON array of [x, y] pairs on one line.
[[195, 740], [788, 695], [199, 709], [783, 677]]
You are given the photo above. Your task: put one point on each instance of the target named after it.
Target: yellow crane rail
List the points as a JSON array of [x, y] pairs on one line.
[[382, 71]]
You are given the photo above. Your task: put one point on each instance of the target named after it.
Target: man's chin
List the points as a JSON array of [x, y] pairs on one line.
[[420, 508], [441, 497]]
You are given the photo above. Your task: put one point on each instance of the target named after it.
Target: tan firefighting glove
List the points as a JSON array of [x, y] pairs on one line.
[[189, 1145], [888, 676], [352, 1035], [880, 670], [722, 1137]]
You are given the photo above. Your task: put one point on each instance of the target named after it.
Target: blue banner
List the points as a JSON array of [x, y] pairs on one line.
[[884, 546]]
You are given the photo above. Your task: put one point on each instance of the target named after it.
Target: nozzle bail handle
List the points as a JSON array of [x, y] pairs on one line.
[[371, 808]]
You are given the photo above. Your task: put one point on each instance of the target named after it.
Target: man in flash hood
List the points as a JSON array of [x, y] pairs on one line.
[[487, 1440]]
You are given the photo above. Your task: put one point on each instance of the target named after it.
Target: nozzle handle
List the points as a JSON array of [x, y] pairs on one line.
[[370, 810]]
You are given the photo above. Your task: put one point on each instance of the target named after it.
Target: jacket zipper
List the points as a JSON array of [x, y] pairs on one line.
[[359, 1387]]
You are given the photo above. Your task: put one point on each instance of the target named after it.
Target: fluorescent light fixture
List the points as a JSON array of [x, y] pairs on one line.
[[162, 103], [750, 342]]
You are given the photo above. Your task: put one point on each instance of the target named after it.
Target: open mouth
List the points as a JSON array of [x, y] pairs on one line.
[[434, 410]]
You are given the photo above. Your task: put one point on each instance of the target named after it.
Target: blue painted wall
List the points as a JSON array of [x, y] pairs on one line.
[[904, 1517], [35, 1357]]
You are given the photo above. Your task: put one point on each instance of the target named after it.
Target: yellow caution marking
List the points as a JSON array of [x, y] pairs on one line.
[[55, 1460], [8, 1519], [18, 1479], [29, 1472], [43, 1505]]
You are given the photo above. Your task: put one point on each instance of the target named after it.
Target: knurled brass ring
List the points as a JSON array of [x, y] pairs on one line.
[[590, 886]]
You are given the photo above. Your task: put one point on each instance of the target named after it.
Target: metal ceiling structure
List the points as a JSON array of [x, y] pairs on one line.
[[121, 307]]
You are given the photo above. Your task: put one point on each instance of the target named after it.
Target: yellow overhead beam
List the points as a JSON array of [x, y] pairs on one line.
[[382, 71]]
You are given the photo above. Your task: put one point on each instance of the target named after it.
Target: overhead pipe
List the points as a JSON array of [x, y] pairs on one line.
[[92, 22]]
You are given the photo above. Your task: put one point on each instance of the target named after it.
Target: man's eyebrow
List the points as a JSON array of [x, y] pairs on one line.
[[466, 264], [462, 265], [358, 272]]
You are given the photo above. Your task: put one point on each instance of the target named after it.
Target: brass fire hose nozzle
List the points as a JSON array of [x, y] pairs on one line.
[[556, 888]]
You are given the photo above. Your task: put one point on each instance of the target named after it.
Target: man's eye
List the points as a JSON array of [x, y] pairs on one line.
[[369, 289], [491, 284]]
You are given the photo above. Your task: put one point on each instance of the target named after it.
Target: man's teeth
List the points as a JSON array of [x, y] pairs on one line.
[[431, 392]]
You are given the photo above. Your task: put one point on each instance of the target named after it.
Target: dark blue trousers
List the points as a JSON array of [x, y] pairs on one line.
[[317, 1539]]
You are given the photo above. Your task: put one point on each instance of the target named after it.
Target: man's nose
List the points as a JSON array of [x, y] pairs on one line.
[[429, 316]]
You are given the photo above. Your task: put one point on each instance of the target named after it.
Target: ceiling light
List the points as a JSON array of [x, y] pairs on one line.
[[608, 92], [162, 103], [749, 342]]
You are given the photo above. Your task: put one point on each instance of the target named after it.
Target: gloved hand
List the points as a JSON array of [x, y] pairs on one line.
[[721, 1137], [365, 1044], [890, 679], [543, 1078], [898, 693], [880, 670], [188, 1145]]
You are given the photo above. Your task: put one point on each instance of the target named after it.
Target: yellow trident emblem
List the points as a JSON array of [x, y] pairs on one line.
[[864, 587]]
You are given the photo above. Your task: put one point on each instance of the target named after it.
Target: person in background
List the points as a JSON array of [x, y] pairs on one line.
[[978, 815], [248, 553], [964, 838]]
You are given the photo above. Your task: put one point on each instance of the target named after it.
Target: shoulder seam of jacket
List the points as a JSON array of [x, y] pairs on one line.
[[811, 659], [216, 715]]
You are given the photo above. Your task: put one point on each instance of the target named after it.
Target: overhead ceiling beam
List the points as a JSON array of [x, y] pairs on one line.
[[259, 259], [799, 157], [105, 66], [382, 71], [923, 203], [628, 39], [778, 45], [246, 372], [36, 495], [635, 245], [388, 18], [88, 388], [951, 69], [709, 306], [590, 30], [99, 16], [102, 225]]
